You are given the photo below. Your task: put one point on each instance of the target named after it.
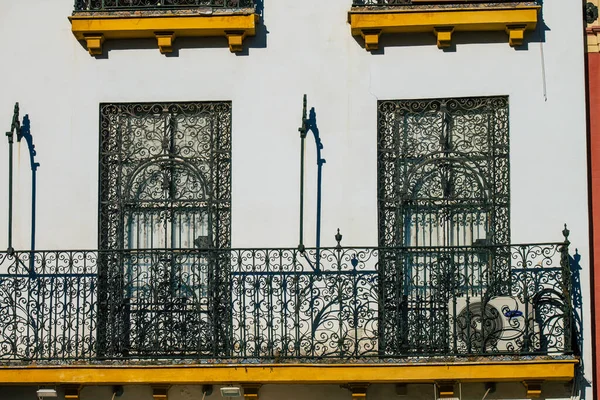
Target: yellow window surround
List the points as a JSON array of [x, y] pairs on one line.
[[443, 19], [94, 28]]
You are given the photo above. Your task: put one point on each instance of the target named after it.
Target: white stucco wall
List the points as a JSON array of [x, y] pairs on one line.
[[309, 50], [473, 391]]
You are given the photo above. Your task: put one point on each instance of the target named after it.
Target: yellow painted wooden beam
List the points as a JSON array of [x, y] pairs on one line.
[[94, 30], [513, 371], [443, 22]]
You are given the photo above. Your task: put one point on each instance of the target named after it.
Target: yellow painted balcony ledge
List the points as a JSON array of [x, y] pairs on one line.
[[443, 22], [93, 29], [488, 371]]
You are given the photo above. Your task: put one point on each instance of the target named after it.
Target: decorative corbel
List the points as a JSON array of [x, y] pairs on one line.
[[534, 389], [93, 42], [444, 36], [235, 39], [251, 391], [160, 392], [72, 392], [358, 390], [371, 37], [445, 389], [165, 41], [516, 34]]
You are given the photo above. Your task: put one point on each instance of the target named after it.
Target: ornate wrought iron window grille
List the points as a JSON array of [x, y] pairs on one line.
[[443, 183], [165, 196], [117, 5]]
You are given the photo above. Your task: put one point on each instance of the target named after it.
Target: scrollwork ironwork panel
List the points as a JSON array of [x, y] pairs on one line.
[[284, 309], [52, 314], [115, 5], [443, 181], [281, 308], [165, 183]]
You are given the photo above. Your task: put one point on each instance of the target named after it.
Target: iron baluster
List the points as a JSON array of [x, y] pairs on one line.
[[567, 290]]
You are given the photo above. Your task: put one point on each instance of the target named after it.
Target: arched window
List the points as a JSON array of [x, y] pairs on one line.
[[443, 193], [165, 195]]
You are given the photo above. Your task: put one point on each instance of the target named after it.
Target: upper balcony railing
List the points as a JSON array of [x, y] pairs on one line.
[[384, 3], [282, 304], [123, 5]]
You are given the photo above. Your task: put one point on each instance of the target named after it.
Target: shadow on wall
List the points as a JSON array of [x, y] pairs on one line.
[[259, 41], [580, 383]]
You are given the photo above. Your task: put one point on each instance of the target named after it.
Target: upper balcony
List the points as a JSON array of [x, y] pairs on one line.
[[94, 21], [358, 314], [372, 18]]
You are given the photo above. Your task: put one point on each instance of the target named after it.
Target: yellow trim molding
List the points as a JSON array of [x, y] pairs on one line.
[[253, 374], [94, 30], [443, 22]]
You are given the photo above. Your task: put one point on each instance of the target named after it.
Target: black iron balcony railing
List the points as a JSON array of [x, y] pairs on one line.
[[116, 5], [277, 304]]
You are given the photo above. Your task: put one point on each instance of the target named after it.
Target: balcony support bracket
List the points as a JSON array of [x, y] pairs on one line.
[[165, 41], [93, 42], [358, 390], [371, 37], [444, 36], [534, 389], [235, 39], [516, 34], [251, 391], [72, 392], [445, 389], [160, 392]]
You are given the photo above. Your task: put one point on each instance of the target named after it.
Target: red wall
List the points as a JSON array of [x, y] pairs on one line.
[[593, 60]]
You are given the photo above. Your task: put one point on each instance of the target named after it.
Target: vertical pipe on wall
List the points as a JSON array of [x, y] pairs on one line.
[[10, 135]]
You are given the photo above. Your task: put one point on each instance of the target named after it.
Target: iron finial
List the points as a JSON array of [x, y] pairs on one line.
[[566, 232], [338, 239], [303, 129]]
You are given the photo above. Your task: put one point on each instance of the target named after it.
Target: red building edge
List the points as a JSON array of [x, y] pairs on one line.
[[593, 115]]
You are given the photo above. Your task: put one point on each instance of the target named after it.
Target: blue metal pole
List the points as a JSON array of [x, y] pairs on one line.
[[25, 132]]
